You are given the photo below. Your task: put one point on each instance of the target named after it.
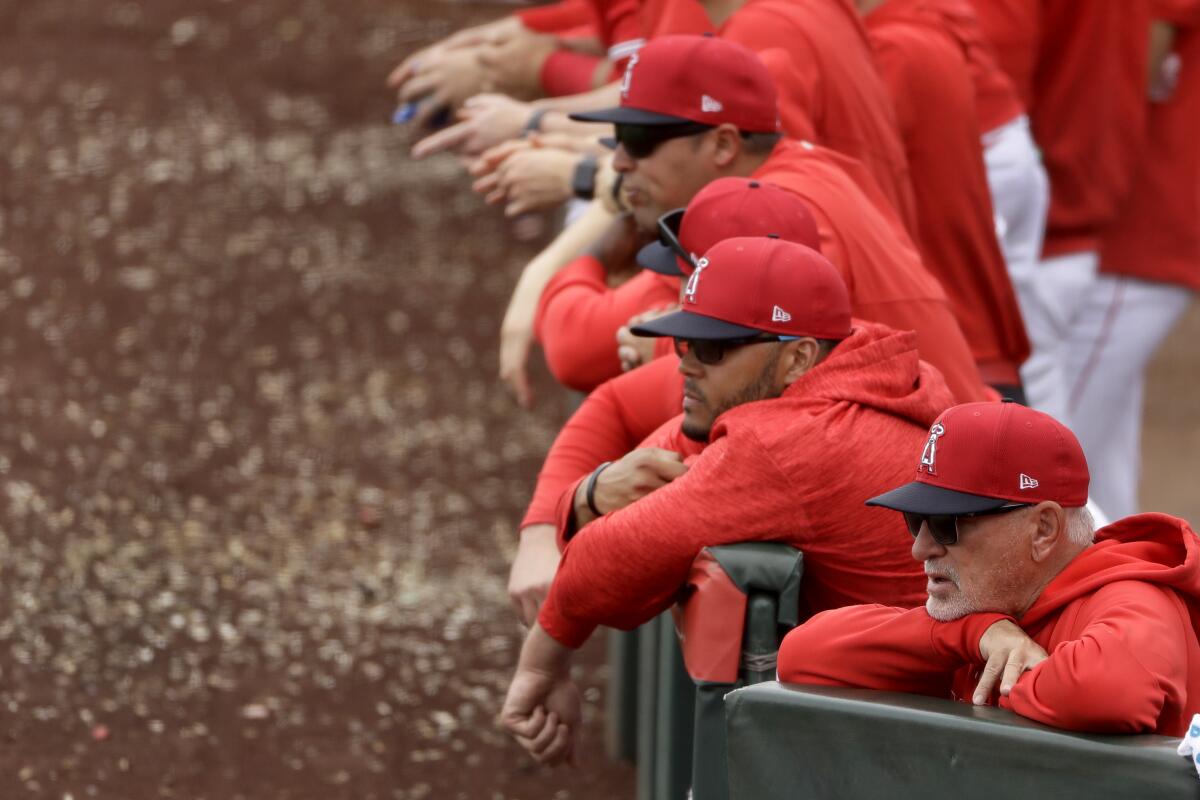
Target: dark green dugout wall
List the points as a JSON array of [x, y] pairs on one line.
[[816, 742]]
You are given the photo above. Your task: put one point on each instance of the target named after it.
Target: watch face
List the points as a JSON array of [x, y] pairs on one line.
[[583, 182]]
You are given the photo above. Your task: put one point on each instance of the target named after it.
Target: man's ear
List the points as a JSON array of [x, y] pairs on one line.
[[799, 357], [727, 145], [1051, 529]]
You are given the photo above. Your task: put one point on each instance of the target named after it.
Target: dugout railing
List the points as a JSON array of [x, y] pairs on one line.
[[811, 743]]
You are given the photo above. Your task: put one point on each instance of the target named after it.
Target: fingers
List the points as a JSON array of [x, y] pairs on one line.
[[1020, 662], [451, 138], [417, 87], [666, 464], [517, 380], [526, 727], [987, 681], [629, 357]]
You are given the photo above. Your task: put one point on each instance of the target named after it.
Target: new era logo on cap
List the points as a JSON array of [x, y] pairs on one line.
[[710, 106], [1027, 482], [779, 315]]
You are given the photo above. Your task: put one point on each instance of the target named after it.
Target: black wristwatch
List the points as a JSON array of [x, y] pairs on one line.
[[583, 182]]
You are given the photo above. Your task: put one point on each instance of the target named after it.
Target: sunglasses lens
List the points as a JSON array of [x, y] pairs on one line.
[[638, 141], [707, 351], [943, 528]]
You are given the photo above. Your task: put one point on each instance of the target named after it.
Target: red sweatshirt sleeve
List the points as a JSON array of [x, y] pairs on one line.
[[880, 647], [627, 566], [555, 17], [1129, 661], [612, 420], [578, 317], [566, 72]]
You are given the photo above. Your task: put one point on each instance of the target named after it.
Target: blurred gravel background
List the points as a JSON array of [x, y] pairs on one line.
[[258, 485]]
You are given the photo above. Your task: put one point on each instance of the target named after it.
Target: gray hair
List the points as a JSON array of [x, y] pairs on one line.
[[1081, 527]]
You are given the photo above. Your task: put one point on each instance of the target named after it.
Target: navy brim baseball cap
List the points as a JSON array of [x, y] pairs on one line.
[[657, 257], [624, 115], [922, 498], [685, 325]]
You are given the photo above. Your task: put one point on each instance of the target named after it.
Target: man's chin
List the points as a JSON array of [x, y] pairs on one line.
[[695, 432], [945, 610]]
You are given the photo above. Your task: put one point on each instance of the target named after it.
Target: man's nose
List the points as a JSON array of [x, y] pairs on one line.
[[925, 546], [690, 366], [622, 162]]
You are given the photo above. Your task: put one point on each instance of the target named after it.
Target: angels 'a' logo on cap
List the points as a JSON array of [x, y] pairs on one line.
[[929, 454], [689, 291], [627, 78]]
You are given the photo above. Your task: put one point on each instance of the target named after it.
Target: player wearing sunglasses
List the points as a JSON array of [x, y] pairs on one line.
[[802, 413], [1079, 629]]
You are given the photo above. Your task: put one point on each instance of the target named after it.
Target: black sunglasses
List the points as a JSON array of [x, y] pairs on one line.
[[712, 351], [640, 141], [944, 527], [668, 235]]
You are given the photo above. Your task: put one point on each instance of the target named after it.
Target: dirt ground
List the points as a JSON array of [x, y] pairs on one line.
[[259, 486]]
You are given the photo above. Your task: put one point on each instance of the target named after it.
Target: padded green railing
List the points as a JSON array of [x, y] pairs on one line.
[[812, 743]]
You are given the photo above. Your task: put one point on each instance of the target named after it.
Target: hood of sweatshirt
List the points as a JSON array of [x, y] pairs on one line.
[[877, 367], [1154, 548]]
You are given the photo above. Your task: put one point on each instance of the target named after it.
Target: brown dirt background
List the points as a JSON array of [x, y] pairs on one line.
[[259, 485]]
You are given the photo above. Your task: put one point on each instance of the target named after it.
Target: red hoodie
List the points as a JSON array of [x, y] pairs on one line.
[[927, 68], [1120, 624], [794, 469]]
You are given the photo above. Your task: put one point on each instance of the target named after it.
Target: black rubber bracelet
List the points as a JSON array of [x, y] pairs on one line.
[[591, 488]]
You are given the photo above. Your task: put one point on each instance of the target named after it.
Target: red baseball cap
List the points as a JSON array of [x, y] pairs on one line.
[[723, 209], [981, 456], [746, 286], [676, 79]]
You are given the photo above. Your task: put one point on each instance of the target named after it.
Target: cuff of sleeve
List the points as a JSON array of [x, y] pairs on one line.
[[565, 72], [959, 638], [564, 630], [554, 17], [565, 514]]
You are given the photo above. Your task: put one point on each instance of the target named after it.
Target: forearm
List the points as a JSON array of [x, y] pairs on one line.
[[546, 264], [603, 97], [884, 648]]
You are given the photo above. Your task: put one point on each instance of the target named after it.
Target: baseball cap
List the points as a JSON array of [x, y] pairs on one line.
[[724, 209], [751, 285], [678, 79], [981, 456]]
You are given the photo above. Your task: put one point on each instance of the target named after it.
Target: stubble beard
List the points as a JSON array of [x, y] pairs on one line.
[[763, 387]]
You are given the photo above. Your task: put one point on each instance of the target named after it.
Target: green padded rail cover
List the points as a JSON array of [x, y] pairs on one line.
[[768, 567], [821, 742]]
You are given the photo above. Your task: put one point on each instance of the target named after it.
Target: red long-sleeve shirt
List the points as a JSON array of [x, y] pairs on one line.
[[1081, 69], [926, 68], [794, 469], [1156, 235], [578, 316], [1119, 624]]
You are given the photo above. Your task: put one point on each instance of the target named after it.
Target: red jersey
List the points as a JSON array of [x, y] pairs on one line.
[[829, 92], [1120, 624], [926, 67], [1085, 88], [1156, 235], [794, 469], [866, 241], [996, 98], [578, 316]]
